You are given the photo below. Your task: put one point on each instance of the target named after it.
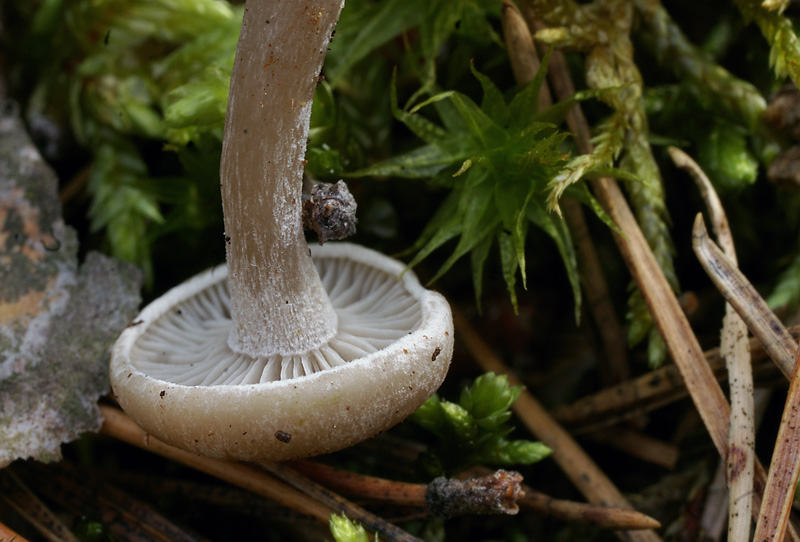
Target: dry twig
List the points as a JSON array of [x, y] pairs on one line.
[[7, 535], [574, 462], [122, 516], [649, 391], [116, 424], [492, 493], [362, 485], [16, 494], [681, 342], [784, 469], [773, 518], [605, 517], [335, 502], [405, 494], [733, 344]]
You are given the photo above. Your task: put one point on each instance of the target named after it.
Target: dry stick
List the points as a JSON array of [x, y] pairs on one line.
[[734, 347], [336, 502], [615, 419], [485, 493], [19, 496], [784, 469], [116, 424], [574, 462], [406, 494], [648, 391], [525, 63], [120, 426], [123, 516], [362, 485], [639, 445], [642, 393], [681, 342], [7, 535], [604, 517]]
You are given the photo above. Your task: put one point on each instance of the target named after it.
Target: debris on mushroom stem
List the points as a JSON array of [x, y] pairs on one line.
[[329, 210]]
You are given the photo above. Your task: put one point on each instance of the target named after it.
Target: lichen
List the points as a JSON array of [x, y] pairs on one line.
[[57, 320]]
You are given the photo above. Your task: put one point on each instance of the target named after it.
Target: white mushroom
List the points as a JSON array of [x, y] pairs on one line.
[[280, 355]]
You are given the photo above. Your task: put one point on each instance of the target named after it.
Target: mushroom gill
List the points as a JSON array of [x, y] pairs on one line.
[[374, 306]]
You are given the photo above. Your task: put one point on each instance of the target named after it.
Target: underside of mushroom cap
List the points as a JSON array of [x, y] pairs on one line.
[[174, 373]]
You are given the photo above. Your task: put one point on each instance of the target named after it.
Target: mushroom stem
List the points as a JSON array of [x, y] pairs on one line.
[[278, 304]]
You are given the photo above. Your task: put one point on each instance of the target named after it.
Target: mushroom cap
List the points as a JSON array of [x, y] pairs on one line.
[[285, 407]]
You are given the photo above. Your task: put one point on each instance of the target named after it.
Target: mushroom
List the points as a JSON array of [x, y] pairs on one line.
[[289, 350]]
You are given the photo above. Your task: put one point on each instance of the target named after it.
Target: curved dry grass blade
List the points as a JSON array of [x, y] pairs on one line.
[[741, 454], [738, 291], [574, 462]]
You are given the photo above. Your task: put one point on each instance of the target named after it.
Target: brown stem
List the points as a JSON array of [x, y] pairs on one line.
[[272, 278], [123, 516], [116, 424], [649, 391], [414, 495], [7, 535], [362, 485], [574, 462], [604, 517], [681, 342], [370, 521], [295, 496]]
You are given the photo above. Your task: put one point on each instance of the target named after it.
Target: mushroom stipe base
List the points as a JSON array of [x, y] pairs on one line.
[[174, 373]]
